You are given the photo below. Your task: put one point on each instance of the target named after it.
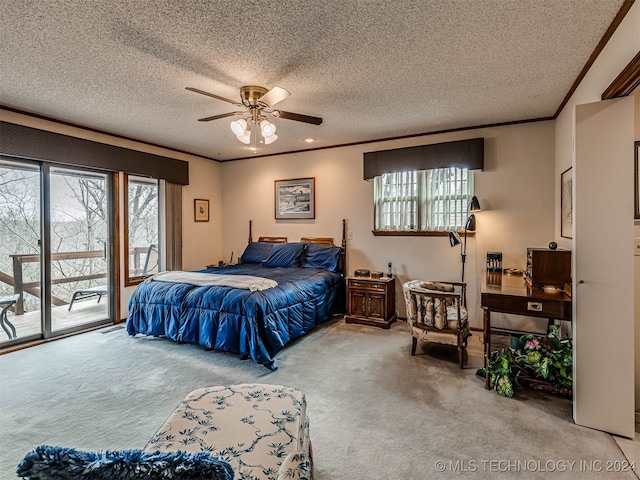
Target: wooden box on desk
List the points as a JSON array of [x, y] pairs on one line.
[[547, 268]]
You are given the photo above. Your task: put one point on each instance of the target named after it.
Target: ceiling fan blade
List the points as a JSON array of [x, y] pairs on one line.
[[298, 117], [213, 95], [222, 115], [273, 96]]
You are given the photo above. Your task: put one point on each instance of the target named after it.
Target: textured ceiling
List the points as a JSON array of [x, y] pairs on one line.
[[371, 69]]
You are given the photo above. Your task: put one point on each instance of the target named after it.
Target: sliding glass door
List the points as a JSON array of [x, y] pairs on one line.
[[55, 264], [78, 239], [20, 221]]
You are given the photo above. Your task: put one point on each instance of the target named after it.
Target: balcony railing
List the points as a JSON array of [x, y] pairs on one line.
[[34, 288]]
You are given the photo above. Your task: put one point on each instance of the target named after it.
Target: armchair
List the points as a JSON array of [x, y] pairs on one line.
[[437, 312]]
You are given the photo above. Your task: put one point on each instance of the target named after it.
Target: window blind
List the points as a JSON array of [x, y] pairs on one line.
[[467, 154], [31, 143]]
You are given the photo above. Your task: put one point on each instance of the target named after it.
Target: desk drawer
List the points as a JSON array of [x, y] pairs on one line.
[[557, 309]]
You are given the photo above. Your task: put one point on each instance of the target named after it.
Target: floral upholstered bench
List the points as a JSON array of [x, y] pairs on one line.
[[248, 431], [262, 431]]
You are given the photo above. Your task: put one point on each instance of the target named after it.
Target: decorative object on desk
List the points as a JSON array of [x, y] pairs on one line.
[[494, 262], [201, 210], [567, 289], [376, 274], [566, 204], [295, 199], [540, 362], [637, 182], [512, 271], [470, 225], [553, 245], [362, 272], [548, 268], [494, 279]]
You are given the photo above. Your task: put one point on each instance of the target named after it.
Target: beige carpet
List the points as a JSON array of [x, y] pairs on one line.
[[375, 411]]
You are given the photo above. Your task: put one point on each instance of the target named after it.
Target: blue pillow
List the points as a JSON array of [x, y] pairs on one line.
[[60, 463], [285, 255], [256, 252], [322, 256]]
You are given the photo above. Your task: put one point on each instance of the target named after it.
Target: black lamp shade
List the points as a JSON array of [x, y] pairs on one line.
[[474, 206], [454, 238], [471, 222]]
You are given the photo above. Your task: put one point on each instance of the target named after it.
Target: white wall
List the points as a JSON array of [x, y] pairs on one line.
[[201, 241], [515, 190], [618, 52]]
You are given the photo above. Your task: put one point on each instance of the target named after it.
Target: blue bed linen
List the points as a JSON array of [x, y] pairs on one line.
[[258, 324]]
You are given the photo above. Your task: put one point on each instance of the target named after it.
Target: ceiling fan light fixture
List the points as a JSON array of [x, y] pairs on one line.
[[268, 129], [239, 127], [270, 139], [245, 137], [255, 129]]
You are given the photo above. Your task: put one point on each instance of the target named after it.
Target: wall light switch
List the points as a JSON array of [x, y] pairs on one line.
[[636, 246], [350, 235]]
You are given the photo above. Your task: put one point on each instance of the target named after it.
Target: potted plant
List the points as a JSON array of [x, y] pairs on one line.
[[542, 362]]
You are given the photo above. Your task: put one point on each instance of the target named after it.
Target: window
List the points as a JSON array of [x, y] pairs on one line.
[[422, 201], [141, 228]]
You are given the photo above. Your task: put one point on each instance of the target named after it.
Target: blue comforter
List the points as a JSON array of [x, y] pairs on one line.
[[258, 324]]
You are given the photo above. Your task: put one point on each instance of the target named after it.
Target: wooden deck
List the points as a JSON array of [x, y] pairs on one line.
[[85, 311]]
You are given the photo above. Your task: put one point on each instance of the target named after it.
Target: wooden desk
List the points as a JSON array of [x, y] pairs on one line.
[[512, 295]]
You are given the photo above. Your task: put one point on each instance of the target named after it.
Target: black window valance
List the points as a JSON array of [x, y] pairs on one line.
[[462, 154], [32, 143]]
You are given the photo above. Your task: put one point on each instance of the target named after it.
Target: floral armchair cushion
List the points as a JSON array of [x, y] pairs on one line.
[[432, 311], [262, 431]]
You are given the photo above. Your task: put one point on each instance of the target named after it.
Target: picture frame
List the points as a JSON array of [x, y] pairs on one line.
[[636, 170], [566, 203], [200, 210], [295, 199]]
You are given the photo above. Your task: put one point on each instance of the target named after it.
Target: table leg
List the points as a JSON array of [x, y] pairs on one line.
[[3, 319], [487, 347]]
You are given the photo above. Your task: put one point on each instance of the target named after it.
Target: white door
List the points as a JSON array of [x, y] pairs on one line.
[[603, 276]]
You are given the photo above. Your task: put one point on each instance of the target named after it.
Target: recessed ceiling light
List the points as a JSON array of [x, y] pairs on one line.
[[309, 140]]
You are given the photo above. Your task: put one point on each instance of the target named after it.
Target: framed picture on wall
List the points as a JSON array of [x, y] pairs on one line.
[[637, 181], [566, 203], [295, 198], [201, 210]]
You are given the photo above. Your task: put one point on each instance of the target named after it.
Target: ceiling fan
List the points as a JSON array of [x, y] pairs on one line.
[[257, 102]]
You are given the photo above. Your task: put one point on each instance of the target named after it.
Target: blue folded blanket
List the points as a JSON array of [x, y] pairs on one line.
[[60, 463]]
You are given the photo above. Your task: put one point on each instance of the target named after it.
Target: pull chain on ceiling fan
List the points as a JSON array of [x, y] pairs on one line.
[[258, 101]]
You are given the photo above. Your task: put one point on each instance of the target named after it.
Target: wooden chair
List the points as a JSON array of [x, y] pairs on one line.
[[437, 312]]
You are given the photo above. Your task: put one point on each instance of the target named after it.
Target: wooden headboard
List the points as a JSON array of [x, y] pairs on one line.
[[327, 241], [272, 239]]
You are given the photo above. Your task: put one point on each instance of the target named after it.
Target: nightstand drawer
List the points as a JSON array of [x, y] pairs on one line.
[[367, 285]]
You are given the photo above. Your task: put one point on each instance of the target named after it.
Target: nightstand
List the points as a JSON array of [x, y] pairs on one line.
[[371, 301]]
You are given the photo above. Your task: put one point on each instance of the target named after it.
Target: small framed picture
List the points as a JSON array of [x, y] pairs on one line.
[[201, 210], [637, 181], [295, 198], [566, 203]]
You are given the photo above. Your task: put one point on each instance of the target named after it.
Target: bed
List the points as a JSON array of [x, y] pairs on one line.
[[278, 292]]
